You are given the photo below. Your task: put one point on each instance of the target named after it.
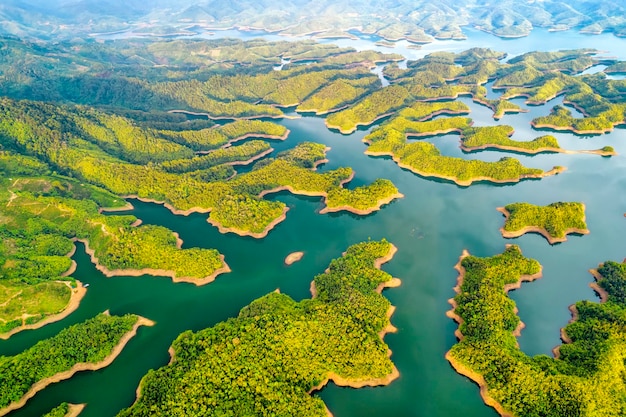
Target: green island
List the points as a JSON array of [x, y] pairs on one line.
[[87, 346], [585, 378], [65, 410], [554, 221], [277, 351]]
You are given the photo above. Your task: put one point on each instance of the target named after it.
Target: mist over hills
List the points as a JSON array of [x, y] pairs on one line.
[[418, 21]]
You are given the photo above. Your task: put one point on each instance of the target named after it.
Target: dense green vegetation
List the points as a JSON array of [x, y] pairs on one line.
[[229, 155], [338, 94], [362, 198], [60, 411], [499, 136], [88, 342], [557, 219], [368, 109], [208, 139], [42, 212], [425, 159], [586, 378], [268, 359], [561, 118], [234, 204]]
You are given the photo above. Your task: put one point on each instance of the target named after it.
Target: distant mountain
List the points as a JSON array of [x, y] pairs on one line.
[[417, 20]]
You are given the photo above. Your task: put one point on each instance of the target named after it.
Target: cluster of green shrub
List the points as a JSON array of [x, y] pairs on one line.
[[586, 378], [61, 411], [89, 342], [555, 218], [499, 136], [267, 360]]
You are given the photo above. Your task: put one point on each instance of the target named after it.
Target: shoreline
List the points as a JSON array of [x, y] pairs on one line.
[[602, 293], [79, 367], [76, 297], [540, 230], [457, 365], [466, 183], [372, 382], [151, 271], [75, 409]]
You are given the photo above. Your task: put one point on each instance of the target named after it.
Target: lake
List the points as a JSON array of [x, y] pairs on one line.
[[430, 226]]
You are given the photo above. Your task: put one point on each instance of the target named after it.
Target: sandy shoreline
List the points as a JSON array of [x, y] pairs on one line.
[[535, 151], [75, 409], [293, 257], [372, 382], [466, 183], [540, 230], [79, 367], [76, 297], [457, 365]]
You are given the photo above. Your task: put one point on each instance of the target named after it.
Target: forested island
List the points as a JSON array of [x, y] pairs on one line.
[[554, 221], [583, 379], [277, 351], [90, 345]]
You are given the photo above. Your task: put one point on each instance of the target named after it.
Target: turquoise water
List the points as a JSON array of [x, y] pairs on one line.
[[430, 226]]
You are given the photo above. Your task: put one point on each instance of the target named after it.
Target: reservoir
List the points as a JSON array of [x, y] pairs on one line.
[[430, 227]]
